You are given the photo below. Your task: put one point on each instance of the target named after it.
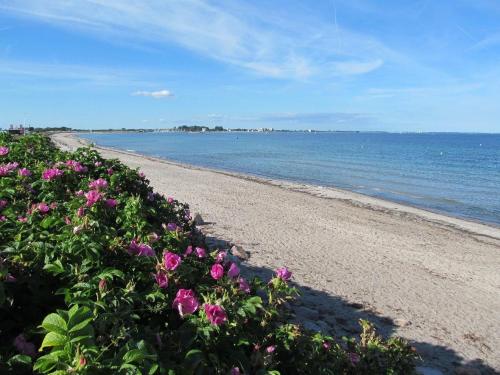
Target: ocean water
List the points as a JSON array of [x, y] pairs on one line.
[[455, 174]]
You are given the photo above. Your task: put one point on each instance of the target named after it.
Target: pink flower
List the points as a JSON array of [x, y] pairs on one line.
[[4, 150], [170, 200], [200, 252], [51, 174], [80, 193], [271, 348], [67, 220], [43, 208], [215, 314], [23, 346], [92, 197], [327, 345], [140, 249], [3, 203], [217, 271], [99, 184], [102, 285], [2, 218], [172, 227], [110, 202], [80, 212], [233, 271], [161, 279], [235, 371], [24, 172], [283, 273], [4, 171], [185, 302], [110, 171], [97, 163], [171, 261], [221, 255], [244, 286], [189, 251], [76, 166], [22, 219], [354, 358], [11, 166]]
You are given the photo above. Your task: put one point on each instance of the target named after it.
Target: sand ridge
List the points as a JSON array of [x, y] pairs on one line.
[[430, 278]]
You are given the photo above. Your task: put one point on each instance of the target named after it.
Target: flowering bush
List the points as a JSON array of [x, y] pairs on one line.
[[100, 275]]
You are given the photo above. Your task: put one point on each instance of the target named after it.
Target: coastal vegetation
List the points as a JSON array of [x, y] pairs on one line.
[[99, 274]]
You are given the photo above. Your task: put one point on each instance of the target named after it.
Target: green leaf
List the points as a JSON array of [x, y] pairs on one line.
[[193, 359], [53, 339], [19, 359], [83, 324], [54, 268], [134, 355], [54, 323]]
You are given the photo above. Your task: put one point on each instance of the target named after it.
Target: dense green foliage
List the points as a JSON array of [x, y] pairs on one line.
[[100, 275]]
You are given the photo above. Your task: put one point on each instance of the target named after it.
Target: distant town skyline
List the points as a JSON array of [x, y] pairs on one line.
[[323, 65]]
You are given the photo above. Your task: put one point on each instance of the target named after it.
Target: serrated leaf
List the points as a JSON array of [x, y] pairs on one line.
[[80, 325], [54, 323], [52, 339], [134, 355]]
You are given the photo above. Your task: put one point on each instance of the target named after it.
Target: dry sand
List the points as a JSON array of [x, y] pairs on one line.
[[430, 278]]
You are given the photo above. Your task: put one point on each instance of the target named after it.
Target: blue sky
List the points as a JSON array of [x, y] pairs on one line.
[[422, 65]]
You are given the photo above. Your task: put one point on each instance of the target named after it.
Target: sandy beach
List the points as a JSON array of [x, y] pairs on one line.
[[429, 278]]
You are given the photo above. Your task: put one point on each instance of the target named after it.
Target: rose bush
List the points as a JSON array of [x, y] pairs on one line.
[[100, 275]]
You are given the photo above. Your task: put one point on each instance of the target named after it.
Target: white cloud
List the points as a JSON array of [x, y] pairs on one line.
[[154, 94], [293, 44]]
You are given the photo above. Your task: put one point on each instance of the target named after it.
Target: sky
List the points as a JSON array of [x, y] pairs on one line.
[[389, 65]]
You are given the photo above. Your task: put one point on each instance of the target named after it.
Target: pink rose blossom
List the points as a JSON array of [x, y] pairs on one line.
[[3, 203], [140, 249], [185, 302], [235, 371], [189, 251], [161, 279], [233, 271], [172, 227], [24, 172], [4, 150], [43, 208], [110, 171], [221, 255], [80, 212], [76, 166], [110, 202], [80, 193], [4, 171], [51, 174], [23, 346], [171, 261], [200, 252], [270, 349], [67, 220], [327, 345], [170, 200], [215, 314], [99, 184], [283, 273], [102, 285], [2, 218], [243, 285], [22, 219], [92, 197], [354, 358], [97, 163], [217, 271]]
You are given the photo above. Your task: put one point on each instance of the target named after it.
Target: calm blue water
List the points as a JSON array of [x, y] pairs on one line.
[[458, 174]]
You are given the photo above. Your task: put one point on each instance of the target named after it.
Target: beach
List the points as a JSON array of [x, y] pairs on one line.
[[427, 277]]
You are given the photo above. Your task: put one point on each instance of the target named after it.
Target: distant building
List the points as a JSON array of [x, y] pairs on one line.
[[13, 129]]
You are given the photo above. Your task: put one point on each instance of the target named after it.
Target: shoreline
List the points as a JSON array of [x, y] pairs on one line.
[[469, 225], [424, 276]]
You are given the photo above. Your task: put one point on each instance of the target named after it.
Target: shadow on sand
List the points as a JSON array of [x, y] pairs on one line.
[[342, 317]]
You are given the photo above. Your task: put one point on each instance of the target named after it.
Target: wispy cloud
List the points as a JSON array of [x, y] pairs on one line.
[[236, 34], [154, 94]]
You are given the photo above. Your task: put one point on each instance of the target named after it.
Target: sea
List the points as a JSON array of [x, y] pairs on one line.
[[452, 173]]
